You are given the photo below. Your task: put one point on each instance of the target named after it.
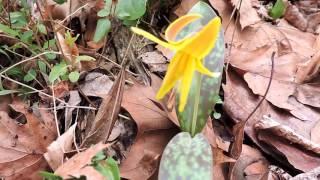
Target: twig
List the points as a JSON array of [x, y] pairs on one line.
[[55, 111], [26, 60], [267, 90]]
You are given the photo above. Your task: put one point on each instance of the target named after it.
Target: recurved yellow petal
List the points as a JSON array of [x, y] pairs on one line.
[[203, 42], [174, 73], [175, 27], [153, 38]]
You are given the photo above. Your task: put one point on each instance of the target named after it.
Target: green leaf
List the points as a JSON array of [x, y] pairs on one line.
[[74, 76], [8, 30], [60, 1], [42, 67], [51, 56], [98, 157], [84, 58], [278, 9], [18, 19], [113, 166], [103, 12], [50, 176], [70, 41], [129, 22], [186, 158], [31, 75], [57, 71], [102, 29], [130, 9], [42, 28], [49, 44], [6, 92], [204, 89], [26, 36], [15, 71]]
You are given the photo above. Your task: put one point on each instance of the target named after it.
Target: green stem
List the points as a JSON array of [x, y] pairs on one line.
[[196, 104]]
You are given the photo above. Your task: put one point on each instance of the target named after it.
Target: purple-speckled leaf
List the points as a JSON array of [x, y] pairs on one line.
[[186, 158], [204, 89]]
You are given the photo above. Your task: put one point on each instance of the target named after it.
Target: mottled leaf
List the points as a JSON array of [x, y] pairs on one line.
[[186, 158]]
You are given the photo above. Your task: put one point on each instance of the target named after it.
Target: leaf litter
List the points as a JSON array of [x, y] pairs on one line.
[[109, 104]]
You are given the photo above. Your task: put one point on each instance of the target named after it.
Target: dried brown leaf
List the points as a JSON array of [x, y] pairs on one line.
[[147, 112], [248, 15], [96, 84], [78, 165], [239, 102], [22, 146], [281, 94], [107, 113], [57, 149], [143, 158]]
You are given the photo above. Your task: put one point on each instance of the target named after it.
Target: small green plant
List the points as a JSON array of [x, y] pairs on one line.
[[108, 167], [126, 10], [278, 9]]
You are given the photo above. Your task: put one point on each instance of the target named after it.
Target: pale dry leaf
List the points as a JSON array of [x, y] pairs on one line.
[[308, 70], [96, 84], [79, 164], [74, 100], [315, 135], [155, 61], [57, 149], [248, 15]]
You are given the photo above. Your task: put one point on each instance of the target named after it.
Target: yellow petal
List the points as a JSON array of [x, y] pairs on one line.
[[202, 69], [153, 38], [175, 27], [203, 42], [174, 73], [186, 83]]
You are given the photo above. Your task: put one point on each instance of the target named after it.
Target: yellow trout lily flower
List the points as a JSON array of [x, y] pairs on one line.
[[189, 55]]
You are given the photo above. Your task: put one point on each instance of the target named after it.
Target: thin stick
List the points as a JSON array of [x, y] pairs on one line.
[[26, 60], [55, 111], [24, 85]]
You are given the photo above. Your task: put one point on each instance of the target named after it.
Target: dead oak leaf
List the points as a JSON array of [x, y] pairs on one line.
[[79, 164], [140, 102], [248, 15], [22, 146]]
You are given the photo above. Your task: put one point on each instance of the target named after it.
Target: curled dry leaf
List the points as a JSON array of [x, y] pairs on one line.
[[107, 113], [74, 100], [57, 149], [147, 112], [96, 84], [22, 146], [281, 94], [236, 93], [248, 15], [70, 52], [155, 61], [296, 18], [251, 162], [79, 164]]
